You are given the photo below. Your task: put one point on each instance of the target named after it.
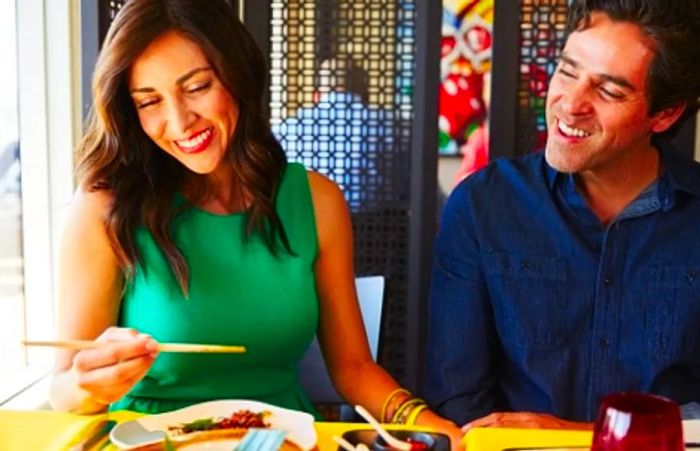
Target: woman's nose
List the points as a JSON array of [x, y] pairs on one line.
[[180, 117]]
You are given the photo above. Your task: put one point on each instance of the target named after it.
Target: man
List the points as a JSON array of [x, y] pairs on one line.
[[563, 276], [341, 136]]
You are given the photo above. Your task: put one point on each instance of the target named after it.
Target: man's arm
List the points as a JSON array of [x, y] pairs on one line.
[[461, 376]]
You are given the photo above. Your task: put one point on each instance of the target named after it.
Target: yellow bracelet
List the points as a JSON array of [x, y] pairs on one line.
[[401, 413], [413, 416], [388, 400]]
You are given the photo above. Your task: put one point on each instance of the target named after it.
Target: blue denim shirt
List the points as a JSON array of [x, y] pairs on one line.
[[536, 306]]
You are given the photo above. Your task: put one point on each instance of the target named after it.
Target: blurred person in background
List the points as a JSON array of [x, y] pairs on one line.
[[341, 135]]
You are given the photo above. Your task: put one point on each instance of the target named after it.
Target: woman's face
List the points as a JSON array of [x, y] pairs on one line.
[[182, 105]]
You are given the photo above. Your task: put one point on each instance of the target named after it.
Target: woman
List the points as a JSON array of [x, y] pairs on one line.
[[189, 226]]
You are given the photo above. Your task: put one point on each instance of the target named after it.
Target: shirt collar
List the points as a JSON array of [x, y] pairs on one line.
[[551, 173], [679, 174]]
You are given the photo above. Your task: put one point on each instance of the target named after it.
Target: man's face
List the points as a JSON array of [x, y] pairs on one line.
[[597, 106]]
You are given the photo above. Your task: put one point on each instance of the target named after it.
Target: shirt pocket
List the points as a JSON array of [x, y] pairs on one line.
[[673, 313], [528, 294]]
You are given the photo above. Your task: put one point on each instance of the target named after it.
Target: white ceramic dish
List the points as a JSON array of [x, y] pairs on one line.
[[151, 429]]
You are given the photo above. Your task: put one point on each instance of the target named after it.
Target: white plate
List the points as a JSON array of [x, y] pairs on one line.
[[149, 429]]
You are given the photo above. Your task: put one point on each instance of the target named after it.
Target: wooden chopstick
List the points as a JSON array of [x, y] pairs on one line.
[[162, 347]]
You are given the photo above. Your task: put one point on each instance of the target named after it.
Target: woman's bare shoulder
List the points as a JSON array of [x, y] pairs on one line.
[[330, 209], [97, 202], [325, 192], [89, 208]]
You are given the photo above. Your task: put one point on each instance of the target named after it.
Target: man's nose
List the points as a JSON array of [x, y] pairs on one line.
[[180, 117], [576, 99]]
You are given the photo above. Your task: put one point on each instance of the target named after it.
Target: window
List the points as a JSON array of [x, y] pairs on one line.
[[11, 267], [37, 125]]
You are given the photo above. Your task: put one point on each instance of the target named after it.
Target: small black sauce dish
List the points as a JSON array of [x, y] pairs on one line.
[[435, 441]]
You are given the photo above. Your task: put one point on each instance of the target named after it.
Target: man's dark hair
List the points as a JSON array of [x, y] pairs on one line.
[[674, 27]]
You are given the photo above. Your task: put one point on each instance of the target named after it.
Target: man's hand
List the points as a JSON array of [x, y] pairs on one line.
[[526, 420]]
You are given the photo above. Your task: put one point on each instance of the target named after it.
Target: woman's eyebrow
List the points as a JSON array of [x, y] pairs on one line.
[[179, 81], [191, 73]]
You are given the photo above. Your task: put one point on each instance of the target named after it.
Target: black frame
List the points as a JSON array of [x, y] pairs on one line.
[[504, 83], [423, 185]]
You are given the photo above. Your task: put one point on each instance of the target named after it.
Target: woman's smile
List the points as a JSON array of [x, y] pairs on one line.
[[197, 142]]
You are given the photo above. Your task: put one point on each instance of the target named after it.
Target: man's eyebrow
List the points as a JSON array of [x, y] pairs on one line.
[[179, 81], [620, 81], [570, 61]]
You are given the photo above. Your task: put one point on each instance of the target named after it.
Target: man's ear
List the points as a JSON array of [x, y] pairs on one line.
[[664, 119]]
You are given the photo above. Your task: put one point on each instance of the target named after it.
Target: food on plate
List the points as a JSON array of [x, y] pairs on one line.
[[240, 419]]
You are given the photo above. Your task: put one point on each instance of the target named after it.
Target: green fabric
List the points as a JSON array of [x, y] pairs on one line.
[[240, 294]]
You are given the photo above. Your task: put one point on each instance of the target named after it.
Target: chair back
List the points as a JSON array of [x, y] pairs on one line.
[[312, 369]]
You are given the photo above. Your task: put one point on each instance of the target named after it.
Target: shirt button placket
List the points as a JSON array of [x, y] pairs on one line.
[[601, 357]]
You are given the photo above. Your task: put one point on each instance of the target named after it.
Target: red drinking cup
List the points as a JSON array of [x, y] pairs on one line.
[[638, 422]]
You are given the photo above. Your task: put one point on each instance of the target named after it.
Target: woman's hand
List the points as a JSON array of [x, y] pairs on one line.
[[109, 372]]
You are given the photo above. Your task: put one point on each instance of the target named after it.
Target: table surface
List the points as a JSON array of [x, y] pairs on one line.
[[48, 431]]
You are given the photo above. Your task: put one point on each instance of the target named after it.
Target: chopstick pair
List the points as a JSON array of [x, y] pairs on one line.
[[162, 347]]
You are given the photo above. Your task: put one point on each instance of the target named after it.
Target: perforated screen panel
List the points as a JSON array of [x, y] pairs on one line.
[[542, 34], [342, 73]]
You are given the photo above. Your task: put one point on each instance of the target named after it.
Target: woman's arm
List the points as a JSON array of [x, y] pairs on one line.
[[90, 287], [340, 319]]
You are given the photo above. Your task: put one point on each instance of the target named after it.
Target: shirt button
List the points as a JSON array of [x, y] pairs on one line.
[[604, 343], [608, 281]]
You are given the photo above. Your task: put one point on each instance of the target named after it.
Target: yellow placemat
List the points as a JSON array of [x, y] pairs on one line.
[[46, 430], [498, 439], [59, 431]]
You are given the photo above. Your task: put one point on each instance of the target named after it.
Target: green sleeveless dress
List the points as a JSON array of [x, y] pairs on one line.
[[240, 294]]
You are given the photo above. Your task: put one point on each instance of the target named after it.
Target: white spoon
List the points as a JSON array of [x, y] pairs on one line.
[[388, 438]]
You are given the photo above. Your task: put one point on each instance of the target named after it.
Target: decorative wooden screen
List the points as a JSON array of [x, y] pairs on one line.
[[542, 34], [359, 134]]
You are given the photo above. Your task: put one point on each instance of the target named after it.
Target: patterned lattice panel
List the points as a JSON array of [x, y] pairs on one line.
[[342, 73], [542, 34]]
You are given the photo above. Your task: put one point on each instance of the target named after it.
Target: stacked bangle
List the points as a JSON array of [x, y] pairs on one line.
[[413, 416], [408, 410], [388, 401]]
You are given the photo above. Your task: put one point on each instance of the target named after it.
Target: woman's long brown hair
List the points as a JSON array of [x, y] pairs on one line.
[[116, 155]]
